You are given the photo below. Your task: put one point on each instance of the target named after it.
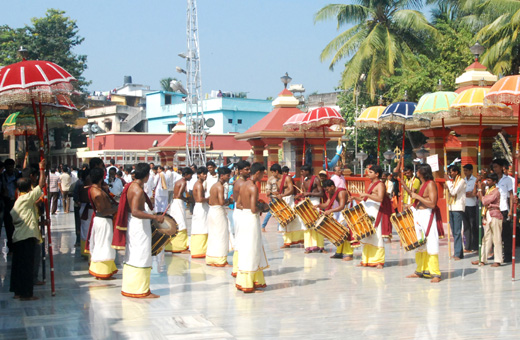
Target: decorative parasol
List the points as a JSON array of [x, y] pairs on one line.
[[14, 125], [294, 122], [507, 91], [322, 117], [471, 103], [369, 118]]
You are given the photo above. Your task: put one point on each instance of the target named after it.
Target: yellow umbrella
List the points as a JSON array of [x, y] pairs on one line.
[[370, 117], [471, 103]]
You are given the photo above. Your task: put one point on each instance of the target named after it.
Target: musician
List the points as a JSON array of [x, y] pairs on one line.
[[456, 204], [412, 183], [293, 234], [199, 227], [161, 191], [138, 255], [337, 199], [491, 220], [218, 224], [311, 188], [244, 169], [179, 243], [252, 260], [426, 225], [378, 206], [99, 243]]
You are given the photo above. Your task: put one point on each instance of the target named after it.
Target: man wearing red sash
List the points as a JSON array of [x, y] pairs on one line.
[[378, 206], [428, 224], [311, 188], [337, 199]]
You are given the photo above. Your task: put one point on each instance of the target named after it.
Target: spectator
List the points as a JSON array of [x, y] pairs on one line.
[[64, 183], [9, 178], [54, 190]]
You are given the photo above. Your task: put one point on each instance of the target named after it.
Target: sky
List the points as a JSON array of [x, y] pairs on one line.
[[245, 45]]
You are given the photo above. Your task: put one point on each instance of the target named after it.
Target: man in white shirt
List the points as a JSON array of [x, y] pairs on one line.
[[168, 176], [456, 203], [471, 211], [505, 187], [126, 175], [114, 184], [338, 179]]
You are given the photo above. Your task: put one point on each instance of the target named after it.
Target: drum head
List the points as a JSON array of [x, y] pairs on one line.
[[168, 227]]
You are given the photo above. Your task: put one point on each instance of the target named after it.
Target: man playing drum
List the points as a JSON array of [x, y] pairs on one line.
[[179, 243], [428, 222], [138, 256], [293, 232], [337, 199], [244, 169], [101, 231], [218, 224], [311, 188], [199, 228], [252, 260], [378, 206]]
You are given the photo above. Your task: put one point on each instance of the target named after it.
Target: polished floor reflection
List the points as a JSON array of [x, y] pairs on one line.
[[308, 296]]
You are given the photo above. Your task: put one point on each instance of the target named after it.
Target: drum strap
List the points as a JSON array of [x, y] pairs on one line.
[[333, 199], [436, 212], [282, 184], [313, 178], [383, 215]]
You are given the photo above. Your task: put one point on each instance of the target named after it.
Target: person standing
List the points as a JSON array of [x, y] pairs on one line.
[[471, 212], [161, 191], [252, 260], [54, 190], [199, 226], [271, 189], [311, 189], [179, 243], [413, 183], [9, 178], [115, 185], [244, 169], [491, 221], [168, 175], [64, 184], [456, 204], [505, 187], [338, 178], [99, 240], [26, 236], [218, 223], [212, 177]]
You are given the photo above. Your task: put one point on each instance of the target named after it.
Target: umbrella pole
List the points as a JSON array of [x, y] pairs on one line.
[[446, 191], [515, 182], [401, 203], [325, 151], [378, 143], [47, 208], [304, 149], [480, 202]]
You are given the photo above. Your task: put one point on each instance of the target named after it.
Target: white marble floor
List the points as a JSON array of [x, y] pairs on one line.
[[308, 296]]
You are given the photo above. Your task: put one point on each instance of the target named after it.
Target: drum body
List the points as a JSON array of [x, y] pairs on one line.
[[281, 211], [359, 222], [307, 212], [405, 226], [162, 233], [327, 226]]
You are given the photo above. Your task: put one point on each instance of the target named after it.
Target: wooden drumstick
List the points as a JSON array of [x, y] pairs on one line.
[[300, 190], [165, 210]]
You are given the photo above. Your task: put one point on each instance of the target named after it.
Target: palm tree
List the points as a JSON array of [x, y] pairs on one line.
[[384, 36], [165, 84]]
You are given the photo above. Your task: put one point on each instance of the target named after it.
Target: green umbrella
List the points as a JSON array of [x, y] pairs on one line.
[[434, 105]]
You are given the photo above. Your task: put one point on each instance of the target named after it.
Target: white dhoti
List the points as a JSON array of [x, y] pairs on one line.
[[138, 258], [313, 241], [373, 246], [199, 230], [102, 254], [85, 225], [161, 203], [237, 214], [218, 236], [427, 255], [179, 243], [293, 231], [252, 260]]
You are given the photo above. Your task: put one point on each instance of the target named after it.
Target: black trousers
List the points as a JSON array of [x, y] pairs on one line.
[[77, 223], [22, 268], [470, 219], [507, 237], [8, 222]]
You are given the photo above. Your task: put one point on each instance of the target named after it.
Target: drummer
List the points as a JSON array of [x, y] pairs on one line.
[[293, 234], [337, 199], [179, 243], [311, 188], [426, 256], [378, 206]]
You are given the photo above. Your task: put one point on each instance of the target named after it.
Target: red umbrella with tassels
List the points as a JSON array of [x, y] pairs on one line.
[[322, 117], [37, 83]]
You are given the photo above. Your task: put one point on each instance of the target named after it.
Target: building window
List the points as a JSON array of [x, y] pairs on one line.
[[240, 121], [167, 99], [230, 121]]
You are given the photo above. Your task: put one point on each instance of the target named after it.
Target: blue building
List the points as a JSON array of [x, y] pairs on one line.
[[229, 114]]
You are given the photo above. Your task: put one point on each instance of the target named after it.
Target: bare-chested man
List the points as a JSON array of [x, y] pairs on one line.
[[99, 242], [199, 227], [311, 189], [138, 255], [293, 233], [244, 169], [179, 243], [252, 260], [426, 256], [337, 199], [218, 224]]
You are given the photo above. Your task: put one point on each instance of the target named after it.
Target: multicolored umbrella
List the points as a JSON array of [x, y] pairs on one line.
[[434, 105], [471, 103], [369, 118], [398, 113], [14, 127]]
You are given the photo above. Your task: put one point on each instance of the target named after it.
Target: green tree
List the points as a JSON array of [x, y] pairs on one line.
[[383, 37]]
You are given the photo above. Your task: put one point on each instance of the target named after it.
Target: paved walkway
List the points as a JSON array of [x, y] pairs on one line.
[[308, 296]]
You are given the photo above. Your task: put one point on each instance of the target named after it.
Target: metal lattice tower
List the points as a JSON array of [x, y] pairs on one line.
[[195, 134]]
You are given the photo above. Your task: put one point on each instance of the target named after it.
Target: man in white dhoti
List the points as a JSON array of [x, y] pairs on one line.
[[199, 226], [138, 255], [252, 260], [102, 255], [179, 243], [244, 169], [311, 189], [161, 191], [218, 224], [426, 256]]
